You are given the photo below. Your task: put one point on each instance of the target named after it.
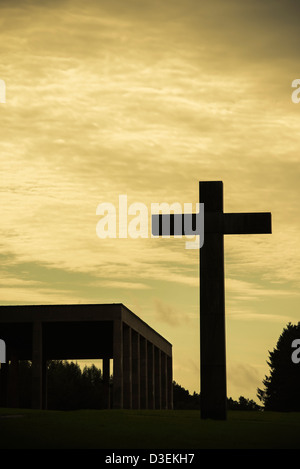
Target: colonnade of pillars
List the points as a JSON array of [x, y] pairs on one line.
[[142, 372]]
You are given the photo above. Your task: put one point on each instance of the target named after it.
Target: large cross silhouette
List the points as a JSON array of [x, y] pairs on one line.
[[212, 288]]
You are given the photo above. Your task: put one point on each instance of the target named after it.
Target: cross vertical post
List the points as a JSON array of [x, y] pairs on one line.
[[212, 308]]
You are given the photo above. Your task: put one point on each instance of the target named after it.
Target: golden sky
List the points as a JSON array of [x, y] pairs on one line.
[[147, 98]]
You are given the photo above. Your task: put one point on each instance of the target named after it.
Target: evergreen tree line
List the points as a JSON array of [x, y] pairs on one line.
[[281, 390], [70, 388], [182, 399]]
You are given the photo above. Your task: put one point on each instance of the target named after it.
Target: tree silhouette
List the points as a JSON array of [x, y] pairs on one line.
[[282, 386], [183, 400], [242, 404], [64, 390]]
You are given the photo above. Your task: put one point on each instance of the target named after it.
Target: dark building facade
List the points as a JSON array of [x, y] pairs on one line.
[[141, 358]]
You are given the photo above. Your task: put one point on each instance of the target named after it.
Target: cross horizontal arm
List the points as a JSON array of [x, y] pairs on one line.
[[238, 223], [247, 223]]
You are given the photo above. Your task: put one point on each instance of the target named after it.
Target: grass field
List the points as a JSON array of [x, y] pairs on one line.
[[123, 429]]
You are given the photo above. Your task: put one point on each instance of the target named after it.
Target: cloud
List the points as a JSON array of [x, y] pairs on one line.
[[247, 290], [168, 314], [242, 378], [246, 315], [123, 284], [36, 295]]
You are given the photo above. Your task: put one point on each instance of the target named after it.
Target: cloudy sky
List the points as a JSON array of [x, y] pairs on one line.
[[147, 98]]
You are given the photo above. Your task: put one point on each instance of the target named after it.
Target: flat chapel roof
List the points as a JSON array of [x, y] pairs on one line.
[[76, 320]]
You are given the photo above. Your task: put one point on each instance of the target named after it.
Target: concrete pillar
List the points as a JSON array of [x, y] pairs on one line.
[[150, 369], [13, 381], [157, 368], [143, 374], [136, 390], [37, 365], [170, 382], [164, 376], [127, 367], [118, 365], [106, 376]]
